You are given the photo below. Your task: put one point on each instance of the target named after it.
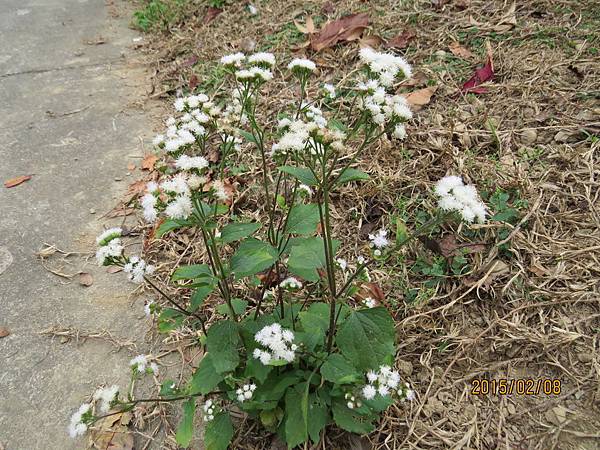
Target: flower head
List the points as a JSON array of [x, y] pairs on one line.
[[300, 65], [79, 420], [454, 195], [278, 341], [105, 397]]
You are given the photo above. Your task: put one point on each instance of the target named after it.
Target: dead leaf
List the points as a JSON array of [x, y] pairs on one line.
[[372, 41], [114, 269], [401, 41], [420, 98], [508, 21], [481, 75], [149, 161], [462, 4], [112, 433], [211, 14], [136, 188], [347, 28], [458, 50], [538, 270], [371, 290], [308, 27], [86, 279], [498, 269], [190, 61], [131, 166], [4, 332], [193, 83], [449, 247], [17, 181], [213, 155]]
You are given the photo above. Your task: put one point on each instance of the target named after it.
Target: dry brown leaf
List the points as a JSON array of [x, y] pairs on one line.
[[458, 50], [420, 98], [17, 181], [308, 27], [131, 166], [149, 161], [4, 332], [372, 41], [120, 212], [213, 155], [211, 14], [86, 279], [112, 433], [347, 28], [401, 41], [371, 290], [114, 269], [136, 188]]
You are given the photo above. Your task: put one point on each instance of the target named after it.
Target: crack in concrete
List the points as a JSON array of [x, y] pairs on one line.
[[118, 61]]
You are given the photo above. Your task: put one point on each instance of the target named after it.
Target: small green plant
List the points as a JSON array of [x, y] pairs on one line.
[[303, 352], [158, 14]]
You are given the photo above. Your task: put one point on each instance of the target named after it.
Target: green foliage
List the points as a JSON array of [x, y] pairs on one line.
[[223, 341], [252, 257], [158, 14], [308, 255], [302, 174], [185, 432], [206, 377], [218, 432], [367, 338], [303, 219], [235, 231]]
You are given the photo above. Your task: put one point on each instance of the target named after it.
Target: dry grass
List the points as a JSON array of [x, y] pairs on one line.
[[526, 304]]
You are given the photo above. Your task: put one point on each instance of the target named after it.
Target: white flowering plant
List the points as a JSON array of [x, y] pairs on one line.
[[293, 348]]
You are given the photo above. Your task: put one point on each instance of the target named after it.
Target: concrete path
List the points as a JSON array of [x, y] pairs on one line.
[[65, 118]]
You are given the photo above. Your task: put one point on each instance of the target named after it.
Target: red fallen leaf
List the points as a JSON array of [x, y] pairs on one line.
[[4, 332], [348, 28], [481, 75], [190, 61], [401, 41], [149, 161], [86, 279], [17, 181], [193, 83], [211, 14]]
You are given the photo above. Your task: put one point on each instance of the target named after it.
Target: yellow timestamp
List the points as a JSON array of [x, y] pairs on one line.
[[516, 386]]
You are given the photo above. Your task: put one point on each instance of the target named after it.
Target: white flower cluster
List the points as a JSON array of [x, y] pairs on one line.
[[370, 302], [137, 268], [140, 365], [352, 402], [329, 90], [110, 245], [105, 397], [342, 263], [291, 283], [300, 65], [456, 196], [384, 382], [245, 392], [259, 70], [384, 108], [297, 133], [198, 111], [78, 425], [386, 65], [279, 342], [379, 241], [208, 410]]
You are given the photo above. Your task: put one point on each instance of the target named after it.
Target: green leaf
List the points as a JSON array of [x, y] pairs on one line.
[[192, 272], [248, 136], [200, 295], [239, 306], [236, 231], [218, 432], [302, 174], [170, 225], [185, 432], [315, 322], [318, 417], [295, 429], [308, 255], [303, 219], [251, 257], [169, 320], [401, 231], [223, 341], [366, 337], [351, 174], [338, 370], [205, 378], [349, 419], [379, 403], [166, 390], [337, 124]]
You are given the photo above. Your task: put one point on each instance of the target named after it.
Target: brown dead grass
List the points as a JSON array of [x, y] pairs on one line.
[[527, 308]]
